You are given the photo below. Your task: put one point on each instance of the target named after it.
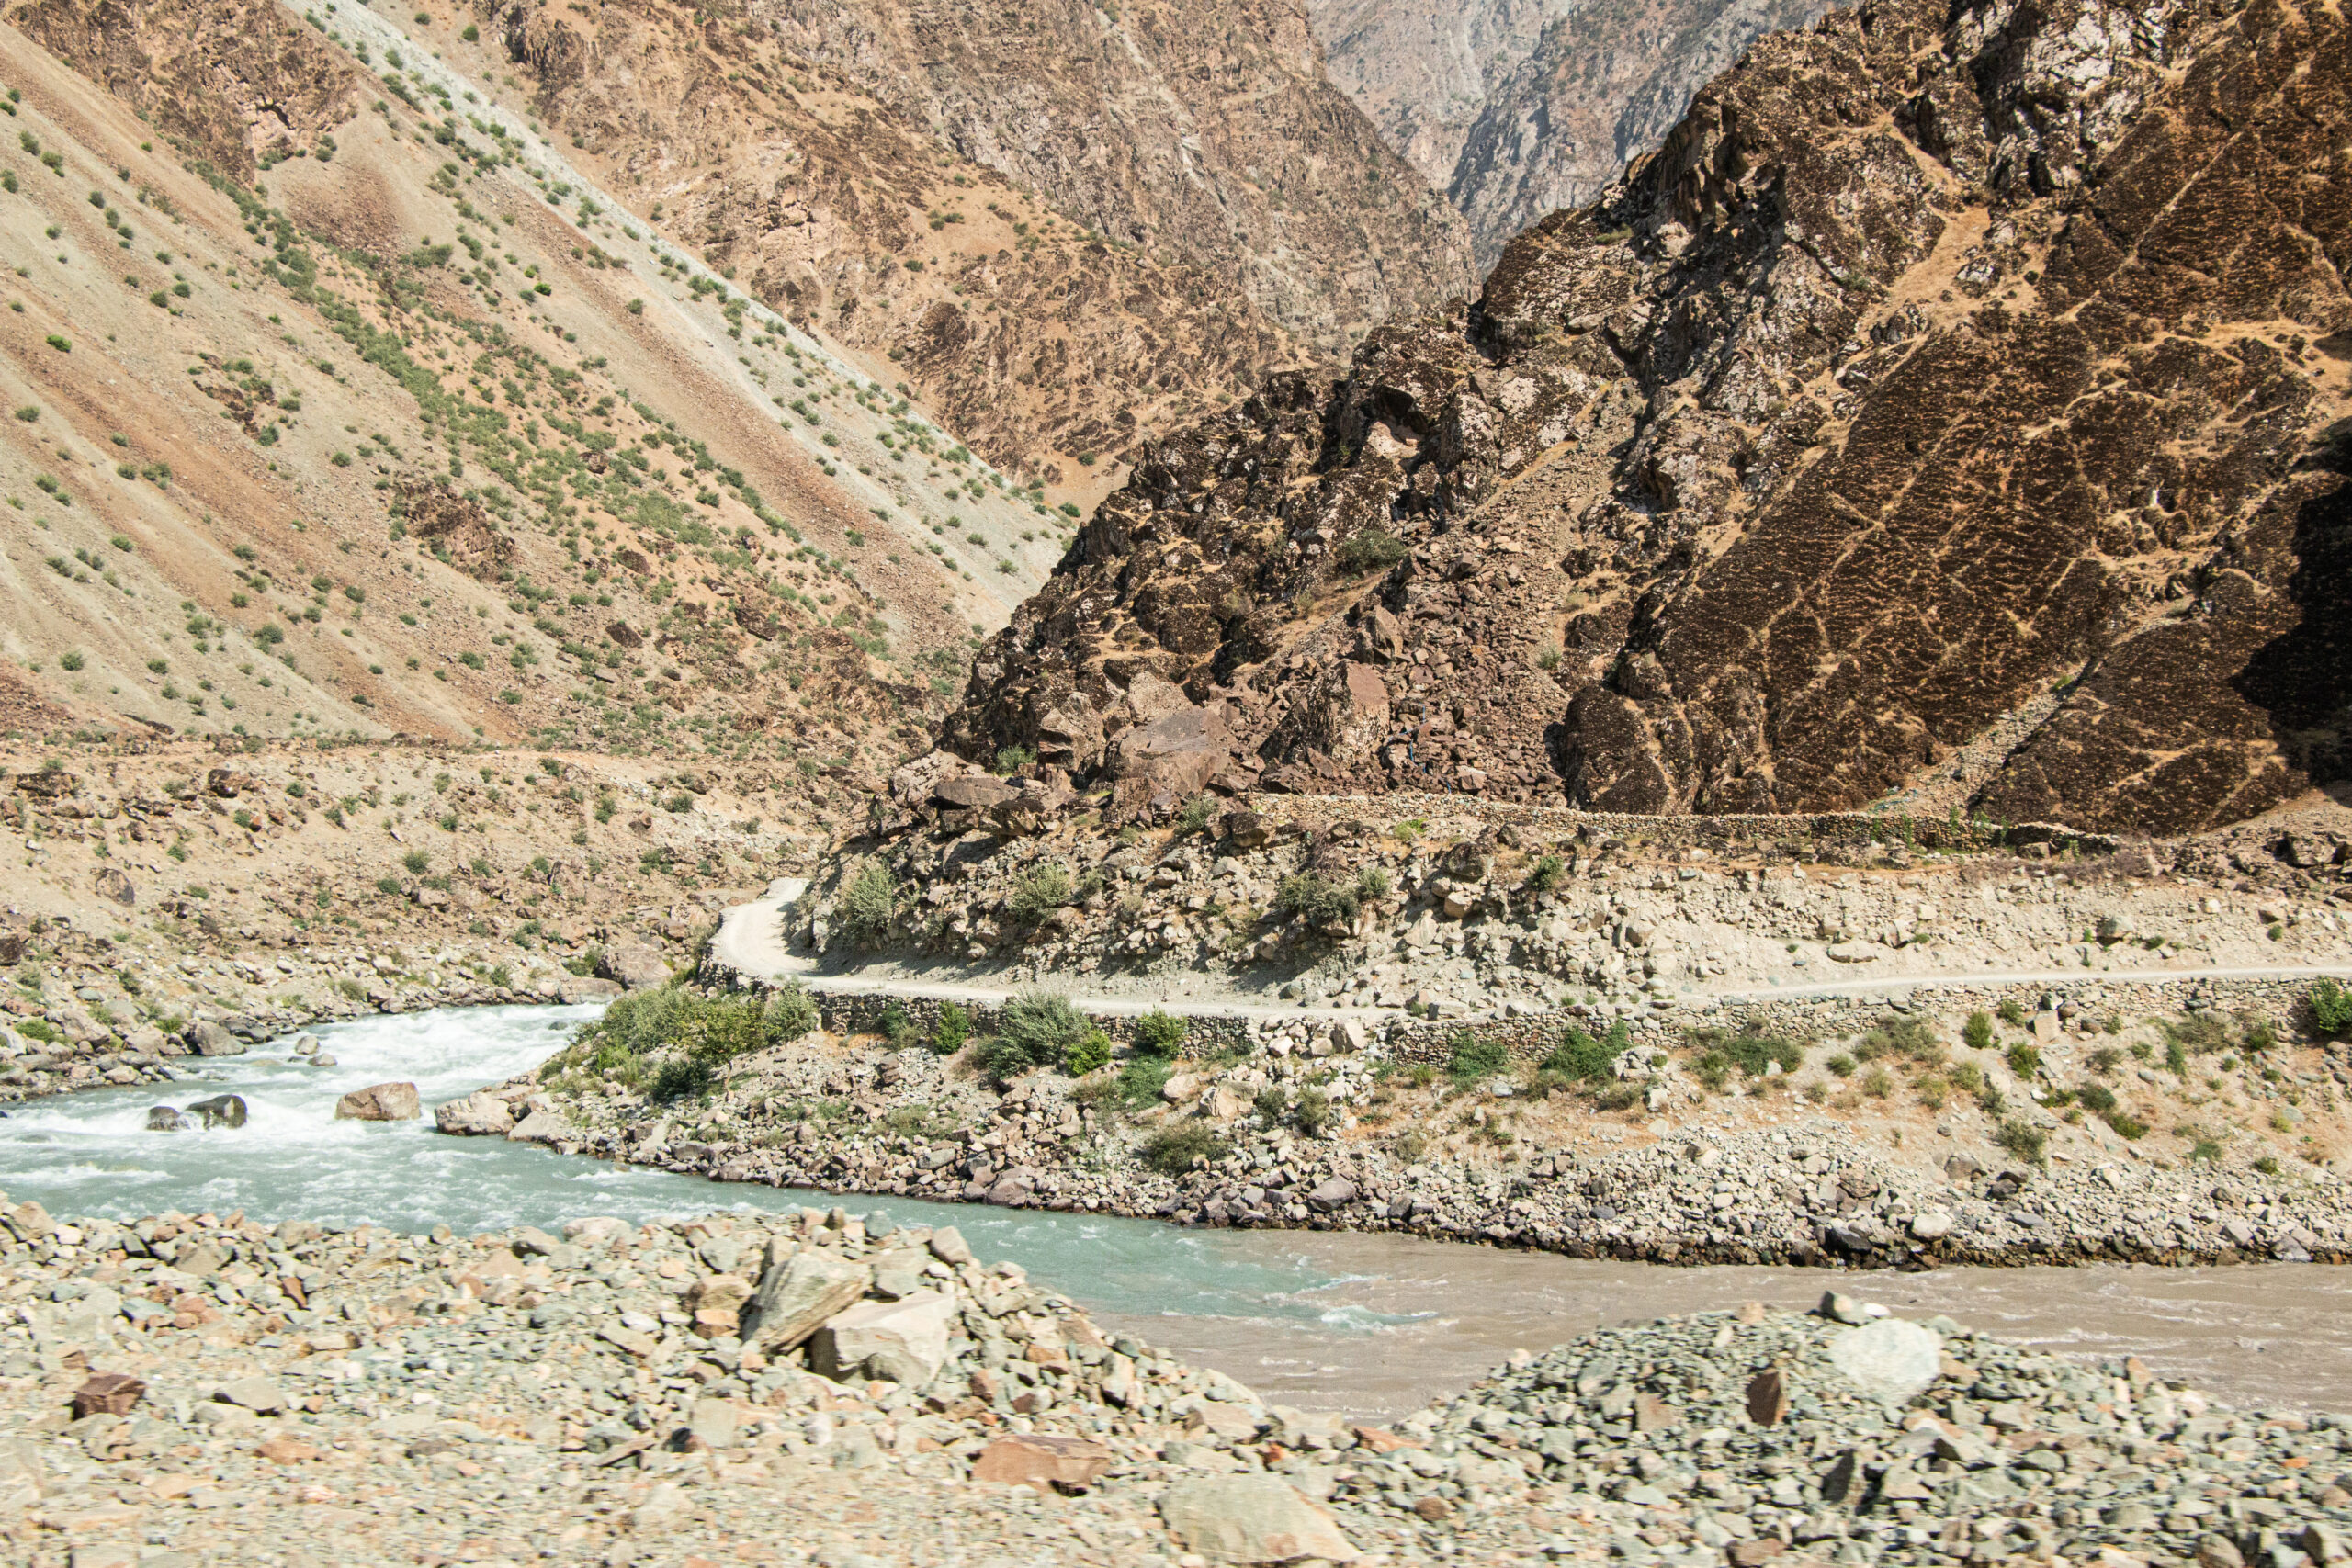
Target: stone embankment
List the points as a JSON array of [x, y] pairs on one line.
[[799, 1387]]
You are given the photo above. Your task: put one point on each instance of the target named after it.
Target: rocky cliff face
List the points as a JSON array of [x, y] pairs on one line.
[[1204, 132], [1066, 231], [1516, 107], [1953, 403]]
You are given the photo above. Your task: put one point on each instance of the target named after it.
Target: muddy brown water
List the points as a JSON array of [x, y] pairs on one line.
[[1372, 1324]]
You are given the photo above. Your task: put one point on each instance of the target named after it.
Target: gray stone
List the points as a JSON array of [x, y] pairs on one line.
[[259, 1394], [209, 1039], [796, 1295], [1252, 1519], [905, 1341], [164, 1119], [1891, 1359], [1336, 1193], [478, 1115], [947, 1244], [541, 1127], [634, 964]]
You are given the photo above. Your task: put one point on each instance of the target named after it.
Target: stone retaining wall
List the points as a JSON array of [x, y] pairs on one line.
[[1534, 1037]]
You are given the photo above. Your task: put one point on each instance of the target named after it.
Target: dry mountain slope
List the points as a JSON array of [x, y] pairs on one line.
[[1954, 396], [1068, 229], [1515, 107], [343, 404]]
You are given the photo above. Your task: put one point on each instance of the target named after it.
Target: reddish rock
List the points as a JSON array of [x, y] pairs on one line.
[[1039, 1459]]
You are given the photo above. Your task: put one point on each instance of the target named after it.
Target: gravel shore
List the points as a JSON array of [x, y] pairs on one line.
[[795, 1389]]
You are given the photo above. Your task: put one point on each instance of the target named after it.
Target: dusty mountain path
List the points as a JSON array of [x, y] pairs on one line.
[[750, 940]]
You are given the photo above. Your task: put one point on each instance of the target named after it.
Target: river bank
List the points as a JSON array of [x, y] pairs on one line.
[[1905, 1139], [649, 1395]]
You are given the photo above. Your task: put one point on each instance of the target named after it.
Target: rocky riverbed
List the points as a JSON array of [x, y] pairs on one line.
[[799, 1388], [1909, 1139]]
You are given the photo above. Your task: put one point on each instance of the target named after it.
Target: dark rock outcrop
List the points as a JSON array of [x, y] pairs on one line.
[[1956, 395]]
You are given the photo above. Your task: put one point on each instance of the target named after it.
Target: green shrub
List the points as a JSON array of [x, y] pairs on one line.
[[1751, 1050], [1196, 813], [1471, 1058], [869, 902], [1088, 1052], [792, 1013], [2098, 1099], [1305, 1110], [2012, 1013], [895, 1027], [1035, 1030], [680, 1078], [1171, 1150], [1372, 549], [1547, 874], [1039, 892], [1159, 1033], [2127, 1125], [1136, 1083], [953, 1028], [2176, 1057], [1977, 1032], [1316, 899], [1011, 759], [417, 860], [1990, 1100], [2025, 1060], [2267, 1164], [1586, 1060], [1372, 883], [2331, 1007], [2023, 1140]]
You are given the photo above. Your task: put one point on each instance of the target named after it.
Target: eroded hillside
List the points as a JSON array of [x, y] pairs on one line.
[[343, 404], [1517, 107], [1953, 404], [1068, 228]]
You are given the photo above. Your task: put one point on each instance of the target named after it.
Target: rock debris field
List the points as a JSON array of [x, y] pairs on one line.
[[799, 1388]]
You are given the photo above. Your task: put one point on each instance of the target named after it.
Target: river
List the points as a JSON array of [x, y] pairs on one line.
[[1373, 1323]]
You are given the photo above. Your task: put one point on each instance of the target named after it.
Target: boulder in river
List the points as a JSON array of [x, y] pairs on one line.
[[221, 1111], [478, 1115], [379, 1102], [164, 1119]]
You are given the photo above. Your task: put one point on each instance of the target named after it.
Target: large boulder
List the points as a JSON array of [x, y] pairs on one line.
[[635, 965], [541, 1126], [1891, 1359], [379, 1102], [1252, 1519], [1176, 752], [478, 1115], [973, 792], [207, 1038], [912, 783], [905, 1340], [1036, 1459], [221, 1111], [796, 1295]]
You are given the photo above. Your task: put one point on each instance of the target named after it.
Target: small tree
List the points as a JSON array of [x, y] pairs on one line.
[[953, 1028], [1159, 1033], [869, 902], [2330, 1006]]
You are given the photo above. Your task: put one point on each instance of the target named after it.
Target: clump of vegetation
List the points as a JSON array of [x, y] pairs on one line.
[[1372, 883], [953, 1028], [1196, 815], [1753, 1051], [1088, 1052], [2025, 1060], [1306, 1110], [2012, 1013], [1469, 1058], [1581, 1059], [2023, 1140], [1369, 550], [1010, 760], [1546, 875], [869, 902], [1039, 892], [1977, 1032], [675, 1041], [1039, 1029], [1159, 1033], [1316, 899], [2331, 1009], [1172, 1151], [680, 1078]]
